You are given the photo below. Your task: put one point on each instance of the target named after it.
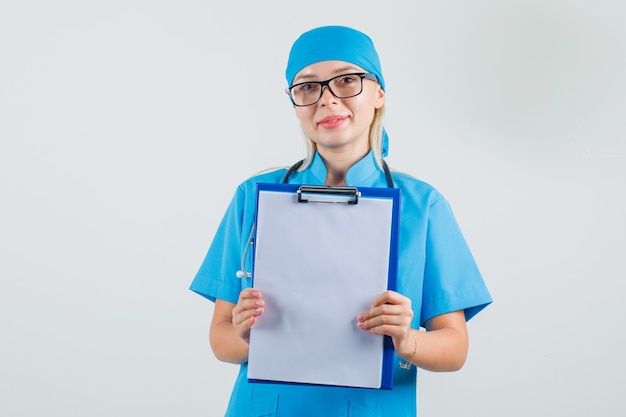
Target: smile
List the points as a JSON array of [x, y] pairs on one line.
[[330, 122]]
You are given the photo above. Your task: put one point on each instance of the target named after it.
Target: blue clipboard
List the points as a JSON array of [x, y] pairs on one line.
[[321, 255]]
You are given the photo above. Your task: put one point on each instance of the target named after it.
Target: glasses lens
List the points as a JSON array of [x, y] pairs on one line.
[[343, 86], [306, 93], [347, 85]]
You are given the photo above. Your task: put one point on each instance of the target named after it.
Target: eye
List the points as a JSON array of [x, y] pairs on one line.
[[307, 88], [346, 80]]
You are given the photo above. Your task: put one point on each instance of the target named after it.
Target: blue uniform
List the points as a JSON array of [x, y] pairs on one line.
[[435, 270]]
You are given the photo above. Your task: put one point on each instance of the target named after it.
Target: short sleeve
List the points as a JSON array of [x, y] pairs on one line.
[[452, 280], [216, 276]]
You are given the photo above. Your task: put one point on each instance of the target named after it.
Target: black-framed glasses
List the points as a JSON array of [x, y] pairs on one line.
[[341, 86]]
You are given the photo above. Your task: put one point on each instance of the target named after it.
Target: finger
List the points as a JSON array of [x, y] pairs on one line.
[[249, 293], [249, 298], [243, 315], [386, 315], [385, 310], [247, 304], [390, 297], [383, 320], [395, 332], [243, 328]]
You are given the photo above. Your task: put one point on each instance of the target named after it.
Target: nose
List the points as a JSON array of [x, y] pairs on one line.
[[327, 96]]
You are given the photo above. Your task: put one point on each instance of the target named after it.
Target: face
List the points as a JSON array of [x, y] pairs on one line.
[[339, 125]]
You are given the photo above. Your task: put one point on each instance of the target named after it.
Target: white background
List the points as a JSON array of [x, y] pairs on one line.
[[125, 127]]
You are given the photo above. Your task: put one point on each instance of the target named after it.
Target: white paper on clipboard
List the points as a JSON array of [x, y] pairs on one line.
[[317, 266]]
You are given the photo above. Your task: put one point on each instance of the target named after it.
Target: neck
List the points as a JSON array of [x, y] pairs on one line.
[[338, 163]]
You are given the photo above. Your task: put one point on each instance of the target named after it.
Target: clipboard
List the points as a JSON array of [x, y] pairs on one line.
[[321, 255]]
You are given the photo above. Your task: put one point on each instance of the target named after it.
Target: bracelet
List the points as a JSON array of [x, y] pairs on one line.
[[414, 347]]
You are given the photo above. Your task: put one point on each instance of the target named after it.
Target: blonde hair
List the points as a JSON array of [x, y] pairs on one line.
[[376, 138]]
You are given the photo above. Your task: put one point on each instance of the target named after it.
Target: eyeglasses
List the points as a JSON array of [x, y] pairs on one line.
[[341, 86]]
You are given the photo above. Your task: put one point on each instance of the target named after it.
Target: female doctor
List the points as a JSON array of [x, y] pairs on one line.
[[336, 85]]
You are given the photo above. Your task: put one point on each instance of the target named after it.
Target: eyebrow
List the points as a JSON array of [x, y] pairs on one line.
[[315, 76]]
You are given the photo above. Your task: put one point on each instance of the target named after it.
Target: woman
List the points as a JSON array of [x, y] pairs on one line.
[[338, 91]]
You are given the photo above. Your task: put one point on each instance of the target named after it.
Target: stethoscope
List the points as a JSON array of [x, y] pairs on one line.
[[242, 273]]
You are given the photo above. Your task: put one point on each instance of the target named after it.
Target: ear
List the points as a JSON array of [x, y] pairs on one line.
[[380, 97]]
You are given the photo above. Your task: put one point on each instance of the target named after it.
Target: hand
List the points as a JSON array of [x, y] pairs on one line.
[[248, 308], [391, 314]]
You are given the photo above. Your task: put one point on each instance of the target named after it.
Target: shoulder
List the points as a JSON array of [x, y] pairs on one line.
[[416, 189], [273, 176], [244, 198]]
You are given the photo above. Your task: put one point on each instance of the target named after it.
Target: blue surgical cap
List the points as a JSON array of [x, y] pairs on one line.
[[335, 43]]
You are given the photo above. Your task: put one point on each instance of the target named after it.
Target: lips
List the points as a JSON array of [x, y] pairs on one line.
[[330, 122]]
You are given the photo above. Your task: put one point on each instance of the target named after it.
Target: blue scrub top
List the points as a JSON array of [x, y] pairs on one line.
[[436, 271]]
